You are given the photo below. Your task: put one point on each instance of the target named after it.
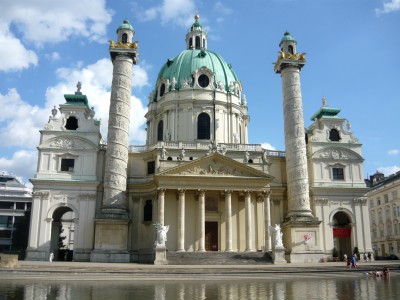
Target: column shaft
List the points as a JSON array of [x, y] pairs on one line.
[[181, 221], [228, 221], [267, 221], [248, 221], [202, 220], [161, 203]]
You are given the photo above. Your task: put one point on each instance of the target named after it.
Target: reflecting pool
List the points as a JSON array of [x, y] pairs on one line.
[[313, 286]]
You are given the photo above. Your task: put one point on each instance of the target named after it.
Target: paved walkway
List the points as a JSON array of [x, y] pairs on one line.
[[127, 271]]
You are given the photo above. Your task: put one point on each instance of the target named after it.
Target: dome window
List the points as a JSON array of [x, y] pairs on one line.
[[162, 90], [203, 127], [290, 49], [72, 123], [197, 42], [203, 81]]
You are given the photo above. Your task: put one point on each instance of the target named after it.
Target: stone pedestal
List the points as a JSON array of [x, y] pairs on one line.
[[300, 250], [161, 255], [278, 255], [111, 241]]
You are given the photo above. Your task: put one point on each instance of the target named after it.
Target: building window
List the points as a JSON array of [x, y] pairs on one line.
[[72, 123], [338, 173], [334, 135], [203, 127], [160, 131], [151, 166], [386, 198], [190, 43], [380, 216], [148, 211], [162, 90], [6, 221], [67, 164], [290, 49], [389, 229], [124, 38], [197, 42], [203, 80], [378, 201]]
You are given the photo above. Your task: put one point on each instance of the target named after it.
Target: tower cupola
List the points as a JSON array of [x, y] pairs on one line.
[[125, 32], [196, 38], [288, 44]]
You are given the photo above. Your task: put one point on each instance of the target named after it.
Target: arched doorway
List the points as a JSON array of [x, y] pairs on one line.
[[62, 234], [342, 234]]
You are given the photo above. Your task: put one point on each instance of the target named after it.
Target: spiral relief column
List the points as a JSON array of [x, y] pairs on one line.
[[111, 228], [299, 218]]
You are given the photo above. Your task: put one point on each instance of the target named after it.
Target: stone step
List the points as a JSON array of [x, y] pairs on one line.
[[218, 258]]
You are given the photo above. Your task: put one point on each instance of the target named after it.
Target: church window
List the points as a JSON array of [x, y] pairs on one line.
[[124, 38], [151, 166], [204, 43], [169, 158], [197, 42], [190, 43], [338, 173], [290, 49], [162, 90], [72, 123], [203, 127], [334, 135], [67, 164], [203, 81], [148, 211], [160, 131]]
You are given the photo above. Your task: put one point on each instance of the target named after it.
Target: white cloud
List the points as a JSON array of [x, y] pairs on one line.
[[22, 164], [267, 146], [49, 21], [13, 54], [179, 12], [388, 7], [393, 151], [389, 170]]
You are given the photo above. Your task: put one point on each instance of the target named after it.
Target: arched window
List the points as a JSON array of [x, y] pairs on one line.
[[334, 135], [190, 43], [204, 43], [124, 38], [290, 49], [197, 42], [162, 90], [148, 211], [203, 127], [72, 123], [160, 130]]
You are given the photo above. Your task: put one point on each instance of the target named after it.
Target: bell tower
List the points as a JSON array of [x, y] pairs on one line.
[[111, 229], [299, 221]]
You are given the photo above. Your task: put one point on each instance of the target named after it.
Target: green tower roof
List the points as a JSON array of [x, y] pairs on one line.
[[76, 99], [287, 37], [125, 25], [326, 112]]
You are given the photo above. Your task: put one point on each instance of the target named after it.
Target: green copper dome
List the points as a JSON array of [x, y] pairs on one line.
[[125, 25], [287, 37], [182, 66]]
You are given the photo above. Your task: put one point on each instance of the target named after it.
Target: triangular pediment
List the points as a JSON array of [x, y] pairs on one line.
[[215, 165]]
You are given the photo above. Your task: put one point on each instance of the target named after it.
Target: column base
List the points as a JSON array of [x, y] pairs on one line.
[[301, 237], [278, 256], [160, 255]]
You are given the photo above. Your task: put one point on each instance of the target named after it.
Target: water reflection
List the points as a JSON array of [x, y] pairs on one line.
[[339, 287]]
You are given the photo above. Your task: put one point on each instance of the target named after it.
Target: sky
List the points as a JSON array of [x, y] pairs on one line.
[[352, 47]]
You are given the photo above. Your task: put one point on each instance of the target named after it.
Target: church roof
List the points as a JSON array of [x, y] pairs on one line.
[[287, 37], [326, 112], [188, 61], [125, 25]]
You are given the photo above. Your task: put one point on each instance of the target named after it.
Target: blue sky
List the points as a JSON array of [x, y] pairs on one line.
[[47, 46]]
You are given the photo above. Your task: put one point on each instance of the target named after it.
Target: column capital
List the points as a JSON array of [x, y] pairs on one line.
[[201, 192], [181, 191], [227, 191], [161, 190]]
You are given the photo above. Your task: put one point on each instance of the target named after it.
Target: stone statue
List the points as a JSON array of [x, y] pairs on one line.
[[78, 88], [51, 257], [246, 157], [212, 148], [161, 234], [323, 101], [182, 154], [173, 84], [244, 100], [54, 112], [277, 234], [163, 152]]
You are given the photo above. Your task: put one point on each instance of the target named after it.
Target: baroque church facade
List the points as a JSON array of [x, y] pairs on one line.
[[197, 173]]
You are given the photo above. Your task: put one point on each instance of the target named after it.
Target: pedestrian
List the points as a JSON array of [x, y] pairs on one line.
[[365, 257], [348, 263], [354, 261], [51, 256], [369, 256]]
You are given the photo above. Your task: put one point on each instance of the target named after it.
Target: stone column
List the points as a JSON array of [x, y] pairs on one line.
[[202, 220], [181, 221], [267, 220], [161, 204], [228, 221], [248, 221]]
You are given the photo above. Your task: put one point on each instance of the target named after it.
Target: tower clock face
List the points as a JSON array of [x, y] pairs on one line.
[[203, 80]]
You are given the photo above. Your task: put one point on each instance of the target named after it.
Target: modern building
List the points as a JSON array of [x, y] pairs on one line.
[[384, 210], [197, 173], [15, 200]]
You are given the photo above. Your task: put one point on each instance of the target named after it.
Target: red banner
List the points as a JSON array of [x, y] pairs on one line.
[[341, 232]]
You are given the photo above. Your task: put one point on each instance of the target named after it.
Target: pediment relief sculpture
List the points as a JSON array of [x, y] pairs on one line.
[[212, 169], [336, 154], [68, 143]]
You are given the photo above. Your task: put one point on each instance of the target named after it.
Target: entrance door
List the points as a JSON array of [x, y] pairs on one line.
[[211, 241]]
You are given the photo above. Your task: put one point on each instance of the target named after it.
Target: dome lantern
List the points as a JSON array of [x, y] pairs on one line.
[[196, 38]]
